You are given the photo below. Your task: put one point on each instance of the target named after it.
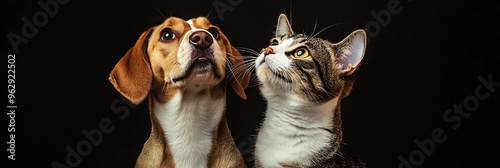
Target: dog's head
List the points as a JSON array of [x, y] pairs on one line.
[[187, 55]]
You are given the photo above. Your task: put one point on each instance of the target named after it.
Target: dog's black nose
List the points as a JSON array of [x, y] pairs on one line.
[[201, 39]]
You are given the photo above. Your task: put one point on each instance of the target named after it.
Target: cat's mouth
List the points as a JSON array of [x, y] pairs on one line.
[[276, 74], [261, 62]]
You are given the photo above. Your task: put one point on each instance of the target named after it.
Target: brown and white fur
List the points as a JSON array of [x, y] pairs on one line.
[[181, 66], [303, 79]]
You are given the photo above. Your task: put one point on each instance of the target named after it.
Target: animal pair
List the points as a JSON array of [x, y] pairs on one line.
[[181, 67]]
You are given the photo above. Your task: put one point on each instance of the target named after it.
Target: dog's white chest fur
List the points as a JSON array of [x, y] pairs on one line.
[[188, 121], [290, 134]]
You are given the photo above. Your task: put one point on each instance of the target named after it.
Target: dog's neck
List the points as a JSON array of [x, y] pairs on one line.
[[293, 132], [189, 120]]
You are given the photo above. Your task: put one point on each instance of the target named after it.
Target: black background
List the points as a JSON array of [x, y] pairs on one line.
[[427, 58]]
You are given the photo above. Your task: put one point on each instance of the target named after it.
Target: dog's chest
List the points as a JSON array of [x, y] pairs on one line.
[[188, 123]]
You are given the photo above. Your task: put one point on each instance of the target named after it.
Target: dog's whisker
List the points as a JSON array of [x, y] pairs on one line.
[[158, 10], [171, 78], [164, 85], [208, 15]]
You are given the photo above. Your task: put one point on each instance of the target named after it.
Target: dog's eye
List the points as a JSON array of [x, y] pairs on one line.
[[167, 35], [274, 42], [214, 32]]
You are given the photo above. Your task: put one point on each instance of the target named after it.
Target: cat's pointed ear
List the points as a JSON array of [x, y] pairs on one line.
[[350, 51], [283, 27]]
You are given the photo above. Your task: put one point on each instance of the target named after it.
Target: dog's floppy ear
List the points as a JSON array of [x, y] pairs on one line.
[[132, 75], [241, 76]]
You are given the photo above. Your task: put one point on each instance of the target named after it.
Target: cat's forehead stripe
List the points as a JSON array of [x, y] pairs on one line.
[[287, 43], [302, 40], [298, 43]]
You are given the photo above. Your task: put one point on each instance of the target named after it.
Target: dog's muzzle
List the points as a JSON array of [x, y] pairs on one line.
[[201, 40]]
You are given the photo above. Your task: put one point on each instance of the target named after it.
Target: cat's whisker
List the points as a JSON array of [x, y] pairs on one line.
[[253, 85], [231, 71], [327, 27], [251, 60], [247, 64], [291, 13], [246, 58], [248, 50], [246, 68], [315, 24], [252, 53]]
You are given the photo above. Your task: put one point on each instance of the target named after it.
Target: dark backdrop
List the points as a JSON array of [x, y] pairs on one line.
[[424, 59]]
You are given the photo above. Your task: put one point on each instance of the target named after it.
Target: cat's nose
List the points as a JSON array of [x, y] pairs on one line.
[[268, 50]]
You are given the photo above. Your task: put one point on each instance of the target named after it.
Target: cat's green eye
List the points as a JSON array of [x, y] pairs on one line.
[[301, 53]]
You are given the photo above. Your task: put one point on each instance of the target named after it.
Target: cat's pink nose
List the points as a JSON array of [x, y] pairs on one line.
[[268, 50]]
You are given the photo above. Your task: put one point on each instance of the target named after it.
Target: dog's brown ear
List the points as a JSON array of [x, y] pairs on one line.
[[132, 75], [240, 74]]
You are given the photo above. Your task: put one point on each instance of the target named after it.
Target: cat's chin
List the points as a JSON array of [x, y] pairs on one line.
[[264, 72], [264, 65]]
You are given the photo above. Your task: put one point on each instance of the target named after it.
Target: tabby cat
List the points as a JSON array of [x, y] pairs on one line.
[[303, 79]]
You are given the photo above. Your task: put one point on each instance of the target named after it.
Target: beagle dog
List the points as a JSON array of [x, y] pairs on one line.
[[181, 66]]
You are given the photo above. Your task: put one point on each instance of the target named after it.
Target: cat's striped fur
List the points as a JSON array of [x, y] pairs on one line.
[[303, 80]]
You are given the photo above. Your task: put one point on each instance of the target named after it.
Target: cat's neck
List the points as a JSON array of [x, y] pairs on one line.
[[294, 109], [294, 131]]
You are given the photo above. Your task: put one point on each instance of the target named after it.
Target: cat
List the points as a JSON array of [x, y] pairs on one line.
[[303, 79]]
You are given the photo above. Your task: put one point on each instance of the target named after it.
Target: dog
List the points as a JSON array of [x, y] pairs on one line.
[[181, 67]]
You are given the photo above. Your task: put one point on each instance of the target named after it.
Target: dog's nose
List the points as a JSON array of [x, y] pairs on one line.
[[201, 39]]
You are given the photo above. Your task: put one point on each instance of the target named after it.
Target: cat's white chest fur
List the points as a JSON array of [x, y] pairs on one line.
[[292, 132]]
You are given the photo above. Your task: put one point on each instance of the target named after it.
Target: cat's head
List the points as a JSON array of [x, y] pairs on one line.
[[308, 67]]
